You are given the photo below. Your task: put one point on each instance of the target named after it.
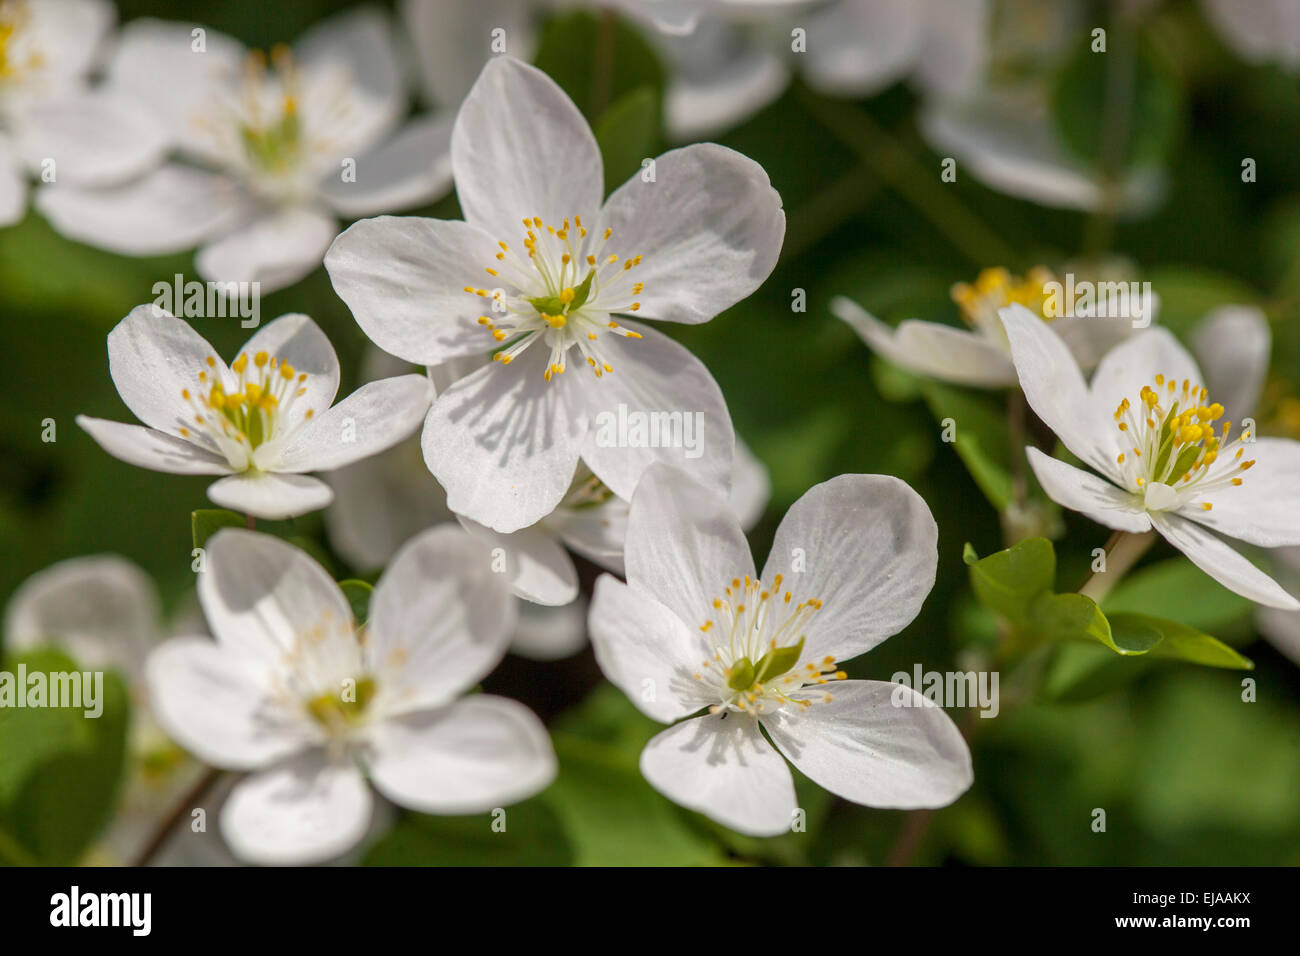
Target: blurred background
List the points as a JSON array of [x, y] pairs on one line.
[[1050, 170]]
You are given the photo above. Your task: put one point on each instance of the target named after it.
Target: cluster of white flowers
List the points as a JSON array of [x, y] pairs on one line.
[[507, 340]]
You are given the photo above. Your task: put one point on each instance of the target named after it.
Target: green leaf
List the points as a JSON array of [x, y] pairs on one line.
[[1177, 641], [1081, 102], [1081, 671], [206, 522], [1070, 617], [358, 593], [615, 818], [627, 133], [533, 836], [1008, 582], [60, 770]]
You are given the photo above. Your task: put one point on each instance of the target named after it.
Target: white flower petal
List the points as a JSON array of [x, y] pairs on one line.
[[709, 229], [596, 532], [1089, 495], [1136, 362], [862, 46], [1232, 345], [306, 810], [927, 348], [217, 704], [724, 769], [550, 633], [645, 650], [69, 35], [954, 48], [440, 619], [152, 449], [260, 593], [353, 50], [101, 608], [196, 79], [275, 250], [295, 338], [716, 80], [505, 443], [408, 170], [661, 384], [521, 148], [1265, 508], [684, 546], [170, 209], [271, 496], [469, 757], [1011, 146], [372, 419], [1260, 31], [1221, 562], [1055, 390], [93, 138], [866, 546], [539, 568], [154, 357], [876, 743], [1090, 338], [453, 40], [380, 502], [404, 279], [13, 185]]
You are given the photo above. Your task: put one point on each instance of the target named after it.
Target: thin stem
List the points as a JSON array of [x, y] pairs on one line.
[[1019, 485], [250, 522], [1099, 230], [183, 806], [828, 210], [602, 65], [1123, 550]]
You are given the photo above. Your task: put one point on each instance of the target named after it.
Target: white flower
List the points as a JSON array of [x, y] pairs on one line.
[[980, 357], [52, 122], [279, 151], [1148, 426], [1000, 129], [1260, 31], [729, 60], [695, 628], [1232, 344], [263, 421], [103, 612], [537, 273], [292, 690]]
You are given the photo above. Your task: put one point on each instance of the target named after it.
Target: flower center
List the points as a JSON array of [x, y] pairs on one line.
[[269, 126], [758, 642], [13, 18], [561, 293], [239, 419], [344, 708], [997, 288], [1174, 453]]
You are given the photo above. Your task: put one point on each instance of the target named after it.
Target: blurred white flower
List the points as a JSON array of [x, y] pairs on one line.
[[103, 612], [294, 691], [1260, 31], [1147, 424], [263, 421], [53, 123], [694, 627], [980, 356], [682, 241], [274, 152]]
